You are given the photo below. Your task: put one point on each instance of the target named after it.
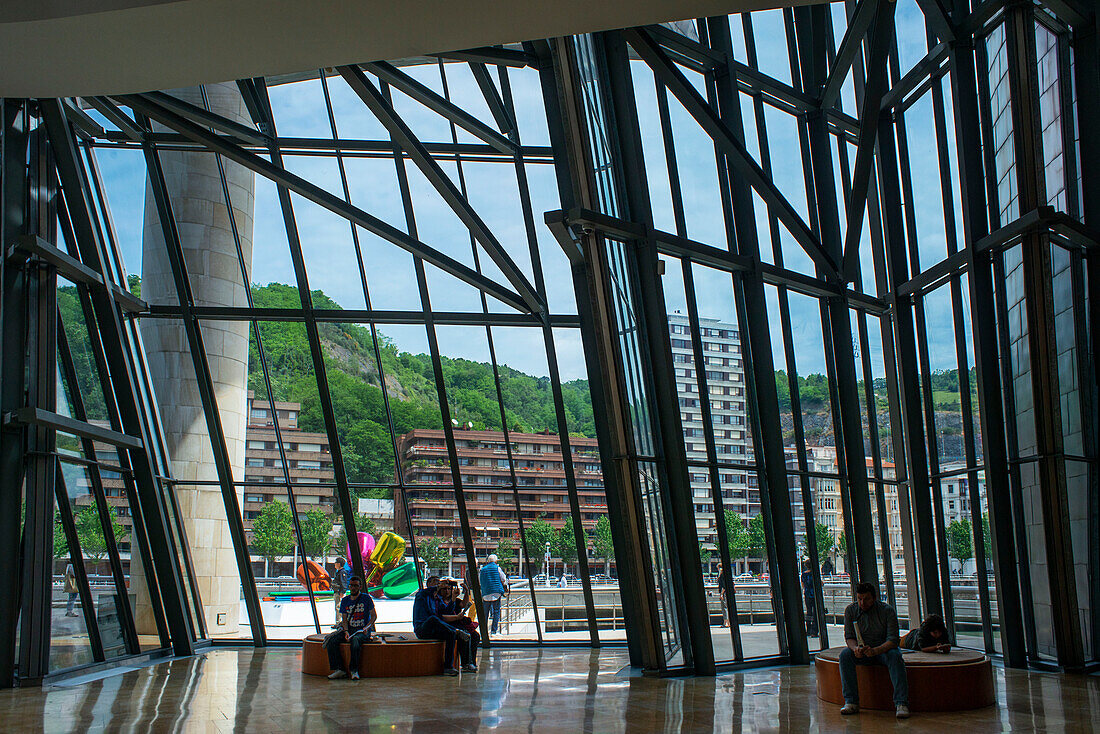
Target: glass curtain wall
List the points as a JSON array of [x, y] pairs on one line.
[[692, 326]]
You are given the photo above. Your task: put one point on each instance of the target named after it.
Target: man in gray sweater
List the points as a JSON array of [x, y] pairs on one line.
[[871, 634]]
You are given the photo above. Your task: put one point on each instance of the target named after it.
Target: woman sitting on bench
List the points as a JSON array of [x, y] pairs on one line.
[[931, 637]]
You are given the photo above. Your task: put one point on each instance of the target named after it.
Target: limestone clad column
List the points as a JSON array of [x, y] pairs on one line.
[[210, 253]]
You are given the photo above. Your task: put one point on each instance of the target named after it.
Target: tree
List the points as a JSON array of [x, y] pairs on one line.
[[842, 545], [272, 533], [536, 536], [737, 537], [506, 552], [432, 553], [758, 539], [824, 541], [316, 526], [960, 541], [704, 557], [565, 545], [89, 531], [605, 546], [987, 540], [60, 542]]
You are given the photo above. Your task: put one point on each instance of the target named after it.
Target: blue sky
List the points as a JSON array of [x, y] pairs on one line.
[[493, 192]]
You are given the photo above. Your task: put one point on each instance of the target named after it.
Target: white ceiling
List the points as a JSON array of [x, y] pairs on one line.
[[53, 48]]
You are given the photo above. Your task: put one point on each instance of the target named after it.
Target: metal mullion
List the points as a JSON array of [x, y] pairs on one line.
[[40, 441], [788, 340], [923, 356], [433, 172], [699, 357], [87, 606], [605, 361], [712, 459], [137, 522], [868, 201], [484, 623], [255, 326], [876, 460], [316, 354], [767, 437], [14, 196], [88, 446], [835, 314], [656, 354], [995, 382], [903, 351], [123, 376], [555, 379], [437, 364], [963, 365], [399, 475], [287, 181], [734, 149], [1042, 347], [201, 365]]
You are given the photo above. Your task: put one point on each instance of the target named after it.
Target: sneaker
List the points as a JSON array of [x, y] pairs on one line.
[[470, 668], [450, 671], [903, 711], [355, 675], [337, 675], [850, 708]]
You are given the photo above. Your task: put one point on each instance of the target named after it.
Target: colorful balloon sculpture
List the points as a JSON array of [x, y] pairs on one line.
[[319, 580], [366, 547], [388, 553], [401, 581]]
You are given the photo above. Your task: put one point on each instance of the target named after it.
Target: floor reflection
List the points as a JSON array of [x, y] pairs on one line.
[[515, 690]]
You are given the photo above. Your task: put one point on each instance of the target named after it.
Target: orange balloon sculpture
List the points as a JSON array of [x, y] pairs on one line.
[[317, 575]]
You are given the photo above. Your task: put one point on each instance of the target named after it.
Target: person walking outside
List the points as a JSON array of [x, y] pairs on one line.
[[71, 590], [340, 577], [494, 586], [810, 597], [871, 634], [358, 616]]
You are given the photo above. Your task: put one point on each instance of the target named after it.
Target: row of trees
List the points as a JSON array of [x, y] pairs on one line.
[[751, 542]]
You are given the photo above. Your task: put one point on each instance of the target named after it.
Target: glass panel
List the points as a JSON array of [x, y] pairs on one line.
[[70, 643]]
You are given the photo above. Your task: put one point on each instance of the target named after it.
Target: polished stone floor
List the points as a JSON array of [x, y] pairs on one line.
[[516, 690]]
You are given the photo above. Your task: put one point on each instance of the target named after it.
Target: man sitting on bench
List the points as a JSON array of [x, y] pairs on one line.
[[428, 624], [357, 618]]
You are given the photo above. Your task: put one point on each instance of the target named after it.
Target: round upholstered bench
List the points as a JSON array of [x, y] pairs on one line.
[[954, 681], [401, 656]]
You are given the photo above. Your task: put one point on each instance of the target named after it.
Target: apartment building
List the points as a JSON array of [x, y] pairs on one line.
[[486, 480], [309, 462], [725, 377]]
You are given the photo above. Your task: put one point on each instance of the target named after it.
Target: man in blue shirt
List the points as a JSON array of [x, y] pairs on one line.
[[357, 618], [494, 585], [429, 625]]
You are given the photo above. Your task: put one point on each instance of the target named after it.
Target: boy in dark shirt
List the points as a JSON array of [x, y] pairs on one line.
[[357, 618]]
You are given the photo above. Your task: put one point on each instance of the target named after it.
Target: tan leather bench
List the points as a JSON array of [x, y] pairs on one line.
[[401, 656], [954, 681]]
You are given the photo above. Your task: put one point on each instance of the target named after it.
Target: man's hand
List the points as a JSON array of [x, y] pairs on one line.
[[858, 652]]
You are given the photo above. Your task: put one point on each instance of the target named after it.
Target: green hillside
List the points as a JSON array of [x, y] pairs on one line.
[[355, 386]]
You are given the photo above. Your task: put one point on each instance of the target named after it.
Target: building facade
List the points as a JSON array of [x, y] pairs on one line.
[[487, 485], [725, 376], [308, 462]]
